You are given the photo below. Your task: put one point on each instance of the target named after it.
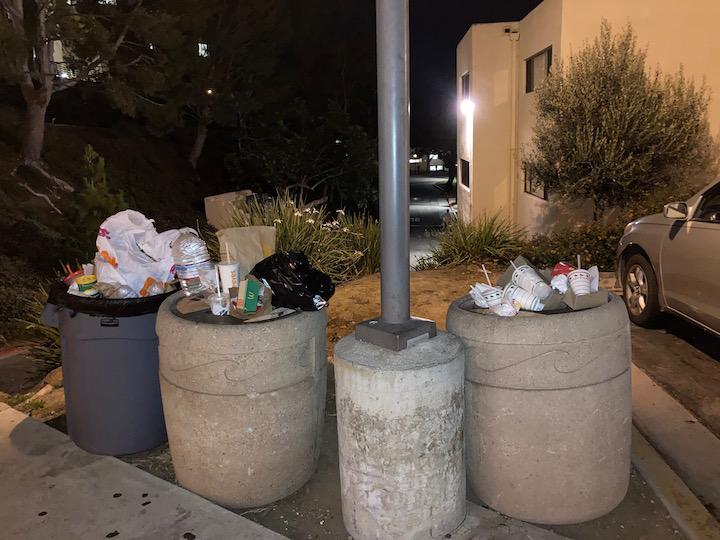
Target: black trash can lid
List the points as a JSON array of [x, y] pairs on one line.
[[110, 307]]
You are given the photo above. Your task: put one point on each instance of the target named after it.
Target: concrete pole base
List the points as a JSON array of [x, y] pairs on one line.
[[400, 437]]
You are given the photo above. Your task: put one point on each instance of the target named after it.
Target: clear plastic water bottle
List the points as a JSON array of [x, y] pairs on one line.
[[192, 263]]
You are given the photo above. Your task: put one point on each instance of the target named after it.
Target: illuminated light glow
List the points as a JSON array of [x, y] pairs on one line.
[[415, 160], [337, 141], [209, 91], [467, 107], [414, 155]]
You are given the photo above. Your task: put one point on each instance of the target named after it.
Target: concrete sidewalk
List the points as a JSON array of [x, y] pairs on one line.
[[51, 489]]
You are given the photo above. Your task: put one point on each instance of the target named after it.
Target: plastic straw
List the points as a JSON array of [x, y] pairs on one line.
[[227, 253], [513, 264], [217, 277], [486, 275], [579, 263]]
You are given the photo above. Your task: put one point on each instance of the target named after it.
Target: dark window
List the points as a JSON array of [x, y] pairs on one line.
[[537, 68], [465, 173], [465, 86], [535, 188], [710, 206]]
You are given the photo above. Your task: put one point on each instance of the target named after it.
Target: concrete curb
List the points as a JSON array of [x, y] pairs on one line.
[[686, 445], [695, 522]]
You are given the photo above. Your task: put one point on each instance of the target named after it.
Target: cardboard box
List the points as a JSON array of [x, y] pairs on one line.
[[586, 301], [245, 302]]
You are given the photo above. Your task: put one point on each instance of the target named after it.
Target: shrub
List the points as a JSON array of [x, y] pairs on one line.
[[95, 202], [490, 238], [610, 130], [45, 339], [595, 243], [17, 282], [344, 247]]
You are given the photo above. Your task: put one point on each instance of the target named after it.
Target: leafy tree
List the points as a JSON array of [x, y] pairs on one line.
[[208, 69], [34, 34], [611, 130], [325, 156], [95, 202]]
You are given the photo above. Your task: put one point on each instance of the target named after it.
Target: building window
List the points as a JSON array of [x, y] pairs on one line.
[[203, 50], [537, 68], [465, 86], [534, 187], [465, 173]]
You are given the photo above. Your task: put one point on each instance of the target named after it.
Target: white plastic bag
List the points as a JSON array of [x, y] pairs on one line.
[[131, 252]]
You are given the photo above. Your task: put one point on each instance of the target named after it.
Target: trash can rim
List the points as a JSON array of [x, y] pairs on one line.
[[213, 320]]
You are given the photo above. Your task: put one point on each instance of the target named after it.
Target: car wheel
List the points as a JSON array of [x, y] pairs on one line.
[[640, 291]]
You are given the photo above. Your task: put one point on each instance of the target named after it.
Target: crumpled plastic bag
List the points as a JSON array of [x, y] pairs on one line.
[[560, 283], [294, 282], [504, 309], [130, 252]]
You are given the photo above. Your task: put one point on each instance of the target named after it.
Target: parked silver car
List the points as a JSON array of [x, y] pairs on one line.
[[671, 262]]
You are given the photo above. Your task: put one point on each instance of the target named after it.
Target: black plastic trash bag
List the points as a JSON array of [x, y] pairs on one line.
[[294, 282]]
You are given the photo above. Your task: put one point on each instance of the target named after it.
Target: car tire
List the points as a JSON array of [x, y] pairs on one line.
[[640, 291]]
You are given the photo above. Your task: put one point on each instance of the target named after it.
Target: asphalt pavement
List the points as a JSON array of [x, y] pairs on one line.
[[430, 204]]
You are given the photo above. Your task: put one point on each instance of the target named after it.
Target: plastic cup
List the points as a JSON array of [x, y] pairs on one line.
[[229, 275], [525, 299], [219, 304], [527, 278], [579, 281]]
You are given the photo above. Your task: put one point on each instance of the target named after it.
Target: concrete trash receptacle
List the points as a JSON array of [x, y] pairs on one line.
[[548, 410], [244, 403]]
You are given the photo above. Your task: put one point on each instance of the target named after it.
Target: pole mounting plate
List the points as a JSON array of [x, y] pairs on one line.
[[395, 336]]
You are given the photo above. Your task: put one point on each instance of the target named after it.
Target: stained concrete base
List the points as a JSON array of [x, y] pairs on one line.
[[53, 489]]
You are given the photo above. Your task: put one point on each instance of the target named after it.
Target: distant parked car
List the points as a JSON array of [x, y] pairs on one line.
[[671, 262]]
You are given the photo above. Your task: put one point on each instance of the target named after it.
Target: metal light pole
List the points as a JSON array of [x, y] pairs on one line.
[[395, 328]]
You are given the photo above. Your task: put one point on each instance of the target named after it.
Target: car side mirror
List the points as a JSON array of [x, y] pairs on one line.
[[676, 210]]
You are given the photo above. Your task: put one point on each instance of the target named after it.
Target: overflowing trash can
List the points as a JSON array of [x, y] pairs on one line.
[[110, 370], [548, 409], [244, 401]]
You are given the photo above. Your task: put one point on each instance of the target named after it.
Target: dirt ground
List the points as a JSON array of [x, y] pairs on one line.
[[431, 292]]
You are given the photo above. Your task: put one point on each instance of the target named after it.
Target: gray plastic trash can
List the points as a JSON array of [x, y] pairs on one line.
[[110, 375]]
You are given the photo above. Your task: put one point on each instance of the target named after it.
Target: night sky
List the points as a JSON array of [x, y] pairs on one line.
[[436, 27]]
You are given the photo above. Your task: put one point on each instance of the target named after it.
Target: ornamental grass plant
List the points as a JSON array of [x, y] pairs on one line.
[[342, 246]]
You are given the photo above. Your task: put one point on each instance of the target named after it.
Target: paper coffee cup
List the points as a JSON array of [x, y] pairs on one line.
[[527, 278], [519, 296], [229, 275], [579, 282], [493, 296]]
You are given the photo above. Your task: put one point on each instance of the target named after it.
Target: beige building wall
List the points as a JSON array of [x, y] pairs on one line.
[[540, 29], [464, 126], [675, 34], [486, 135]]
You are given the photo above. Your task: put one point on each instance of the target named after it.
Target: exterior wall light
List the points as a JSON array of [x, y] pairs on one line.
[[467, 107]]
